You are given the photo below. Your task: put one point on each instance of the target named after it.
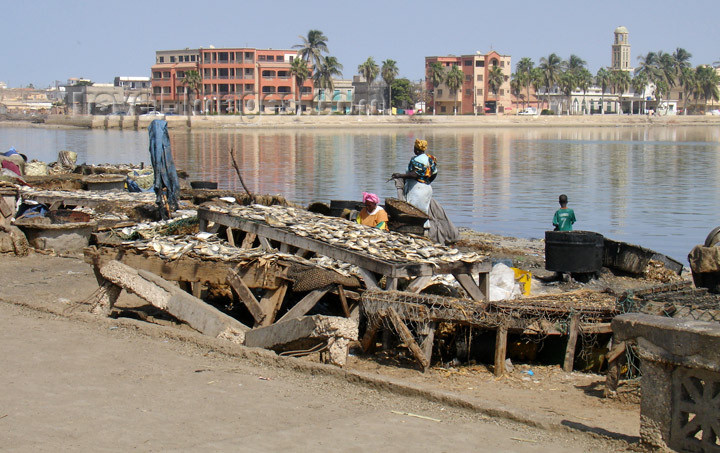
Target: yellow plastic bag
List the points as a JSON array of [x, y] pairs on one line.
[[524, 278]]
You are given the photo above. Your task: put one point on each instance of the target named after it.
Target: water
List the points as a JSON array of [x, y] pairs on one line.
[[656, 187]]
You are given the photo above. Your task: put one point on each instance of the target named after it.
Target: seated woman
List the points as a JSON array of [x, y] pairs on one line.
[[372, 214]]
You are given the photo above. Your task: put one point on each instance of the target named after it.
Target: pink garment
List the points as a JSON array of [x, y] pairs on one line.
[[12, 167], [371, 197]]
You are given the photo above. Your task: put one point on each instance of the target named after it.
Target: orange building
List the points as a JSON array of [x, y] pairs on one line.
[[234, 80], [474, 96]]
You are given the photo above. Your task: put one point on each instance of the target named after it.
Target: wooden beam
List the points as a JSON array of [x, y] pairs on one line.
[[391, 283], [368, 340], [599, 327], [246, 296], [426, 331], [500, 349], [369, 279], [615, 360], [484, 283], [265, 244], [307, 302], [284, 248], [407, 338], [271, 304], [418, 284], [197, 288], [248, 241], [469, 285], [572, 340], [230, 237], [343, 301]]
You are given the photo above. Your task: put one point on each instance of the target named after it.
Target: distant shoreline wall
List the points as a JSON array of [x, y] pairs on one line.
[[374, 121]]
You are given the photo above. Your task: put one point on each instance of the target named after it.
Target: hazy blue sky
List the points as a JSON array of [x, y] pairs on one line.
[[44, 40]]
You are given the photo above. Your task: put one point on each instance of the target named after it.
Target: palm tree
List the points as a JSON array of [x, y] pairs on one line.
[[708, 81], [436, 74], [620, 81], [524, 69], [192, 82], [566, 83], [389, 72], [312, 47], [495, 80], [639, 83], [300, 70], [537, 80], [583, 80], [602, 79], [551, 68], [657, 68], [454, 81], [369, 69], [517, 82], [688, 82], [323, 76]]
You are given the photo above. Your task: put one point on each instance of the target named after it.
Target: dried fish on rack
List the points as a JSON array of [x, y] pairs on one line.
[[388, 246]]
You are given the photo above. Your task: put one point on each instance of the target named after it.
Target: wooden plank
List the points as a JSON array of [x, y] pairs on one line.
[[271, 304], [265, 244], [302, 253], [418, 284], [368, 340], [307, 302], [426, 331], [189, 269], [230, 237], [343, 300], [246, 296], [391, 284], [500, 349], [615, 358], [469, 285], [407, 338], [484, 282], [284, 248], [197, 289], [572, 340], [369, 279], [248, 241], [599, 327]]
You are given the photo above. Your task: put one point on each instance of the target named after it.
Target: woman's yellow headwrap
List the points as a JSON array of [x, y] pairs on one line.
[[420, 145]]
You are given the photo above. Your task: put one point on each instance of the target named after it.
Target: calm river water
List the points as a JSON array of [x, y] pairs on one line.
[[653, 186]]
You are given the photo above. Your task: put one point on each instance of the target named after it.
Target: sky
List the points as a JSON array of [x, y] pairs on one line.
[[46, 41]]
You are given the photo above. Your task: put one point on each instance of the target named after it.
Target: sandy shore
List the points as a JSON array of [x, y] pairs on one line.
[[363, 122]]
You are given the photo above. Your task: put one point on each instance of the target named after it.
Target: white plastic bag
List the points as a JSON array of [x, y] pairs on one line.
[[502, 283]]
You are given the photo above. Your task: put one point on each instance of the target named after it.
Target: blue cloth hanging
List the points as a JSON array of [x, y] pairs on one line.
[[163, 165]]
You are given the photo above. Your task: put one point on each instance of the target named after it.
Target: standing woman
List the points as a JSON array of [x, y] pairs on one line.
[[421, 171]]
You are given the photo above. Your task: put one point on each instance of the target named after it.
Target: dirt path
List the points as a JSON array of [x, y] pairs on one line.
[[78, 382]]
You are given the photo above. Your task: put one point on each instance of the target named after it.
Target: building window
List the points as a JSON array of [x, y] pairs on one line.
[[468, 78], [479, 91], [467, 63], [502, 63], [172, 59], [166, 75], [161, 59], [261, 58], [156, 90], [180, 90], [270, 58], [180, 74], [306, 90], [156, 75], [468, 92], [268, 89], [479, 64], [502, 92], [166, 90], [192, 58], [249, 87], [479, 78], [349, 95], [442, 109], [447, 64], [284, 90], [439, 92]]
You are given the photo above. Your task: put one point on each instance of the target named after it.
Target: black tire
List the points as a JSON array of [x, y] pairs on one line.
[[713, 238]]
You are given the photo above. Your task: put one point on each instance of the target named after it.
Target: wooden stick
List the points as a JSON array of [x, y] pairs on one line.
[[572, 340], [237, 170]]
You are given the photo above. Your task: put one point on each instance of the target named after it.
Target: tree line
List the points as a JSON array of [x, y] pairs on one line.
[[665, 71]]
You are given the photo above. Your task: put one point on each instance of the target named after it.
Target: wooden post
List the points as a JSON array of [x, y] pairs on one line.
[[248, 241], [305, 304], [368, 340], [615, 359], [426, 331], [572, 340], [407, 338], [246, 296], [343, 301], [500, 349], [230, 237], [271, 304]]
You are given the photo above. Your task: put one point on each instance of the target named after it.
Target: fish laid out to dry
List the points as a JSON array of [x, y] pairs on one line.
[[95, 195], [387, 246]]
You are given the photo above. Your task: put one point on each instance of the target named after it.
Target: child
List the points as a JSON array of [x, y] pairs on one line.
[[564, 217]]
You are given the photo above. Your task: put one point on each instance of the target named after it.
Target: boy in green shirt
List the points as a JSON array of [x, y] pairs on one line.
[[564, 217]]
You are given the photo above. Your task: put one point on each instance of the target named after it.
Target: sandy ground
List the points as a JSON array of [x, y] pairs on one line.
[[77, 381]]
